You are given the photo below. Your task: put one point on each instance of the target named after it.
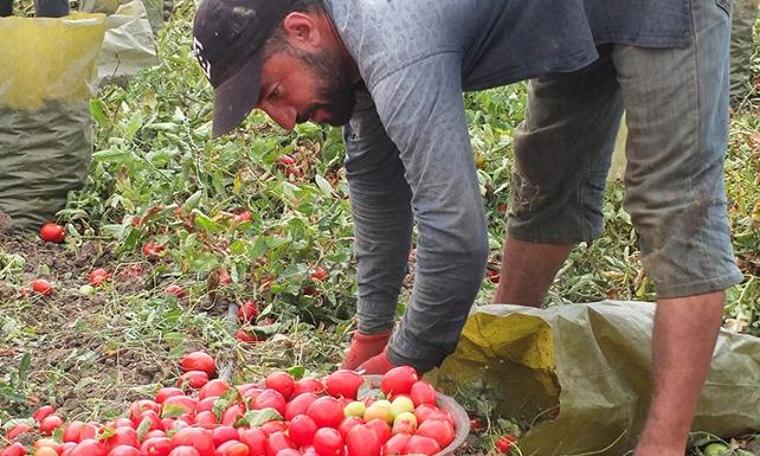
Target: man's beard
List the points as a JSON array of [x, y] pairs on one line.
[[334, 85]]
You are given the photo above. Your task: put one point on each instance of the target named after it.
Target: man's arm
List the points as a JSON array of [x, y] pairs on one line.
[[422, 109]]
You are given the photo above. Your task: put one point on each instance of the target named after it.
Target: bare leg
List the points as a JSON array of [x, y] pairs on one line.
[[685, 331], [528, 270]]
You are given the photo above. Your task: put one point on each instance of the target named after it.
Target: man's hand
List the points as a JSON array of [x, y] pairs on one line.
[[364, 347]]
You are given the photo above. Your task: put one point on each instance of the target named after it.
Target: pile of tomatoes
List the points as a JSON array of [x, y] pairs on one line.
[[342, 414]]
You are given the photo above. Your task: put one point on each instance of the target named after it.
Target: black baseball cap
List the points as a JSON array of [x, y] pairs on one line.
[[229, 38]]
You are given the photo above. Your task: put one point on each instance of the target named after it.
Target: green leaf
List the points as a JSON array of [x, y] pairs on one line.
[[323, 185], [24, 367], [297, 372], [192, 201], [111, 155], [204, 222], [172, 411], [143, 428], [98, 112], [258, 417]]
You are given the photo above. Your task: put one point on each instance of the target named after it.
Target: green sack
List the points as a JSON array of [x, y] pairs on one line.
[[589, 364], [45, 147]]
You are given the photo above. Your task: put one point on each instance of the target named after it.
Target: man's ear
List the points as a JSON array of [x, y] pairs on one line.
[[302, 30]]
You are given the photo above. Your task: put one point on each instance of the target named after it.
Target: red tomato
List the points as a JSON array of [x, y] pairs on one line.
[[50, 424], [42, 287], [298, 405], [302, 430], [165, 393], [318, 274], [206, 405], [200, 439], [175, 290], [326, 412], [289, 452], [396, 445], [51, 232], [152, 250], [381, 428], [232, 414], [423, 411], [137, 408], [281, 382], [419, 444], [223, 434], [362, 441], [270, 398], [156, 446], [15, 449], [248, 311], [270, 427], [422, 393], [244, 216], [186, 403], [255, 439], [193, 379], [232, 448], [49, 443], [154, 434], [120, 422], [398, 380], [344, 383], [308, 385], [347, 424], [88, 447], [246, 337], [17, 430], [122, 436], [124, 450], [152, 417], [505, 443], [328, 442], [184, 450], [43, 412], [199, 361], [206, 419], [98, 277], [440, 430], [276, 442]]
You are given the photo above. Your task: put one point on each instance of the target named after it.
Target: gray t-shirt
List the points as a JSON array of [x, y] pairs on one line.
[[408, 149]]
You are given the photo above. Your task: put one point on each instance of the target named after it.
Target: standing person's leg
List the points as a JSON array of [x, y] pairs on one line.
[[562, 151], [676, 103]]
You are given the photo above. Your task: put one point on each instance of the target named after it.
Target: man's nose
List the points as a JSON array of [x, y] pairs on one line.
[[283, 116]]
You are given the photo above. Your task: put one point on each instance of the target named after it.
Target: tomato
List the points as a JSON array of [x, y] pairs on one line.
[[344, 383], [120, 422], [199, 361], [281, 382], [241, 389], [289, 452], [184, 450], [193, 379], [328, 442], [398, 380], [89, 447], [154, 434], [50, 424], [308, 385], [43, 412], [165, 393], [270, 398], [42, 287], [505, 443], [137, 408], [423, 411], [98, 277], [88, 431], [124, 450], [52, 232], [45, 451], [122, 436], [152, 417], [206, 419], [206, 405], [247, 337], [298, 405], [47, 443], [302, 430], [232, 448], [396, 444], [222, 434], [152, 250], [278, 441], [419, 444], [15, 449], [404, 423], [270, 427], [232, 414], [200, 439], [422, 393], [248, 311], [156, 446], [318, 274], [326, 412], [17, 430], [175, 290], [440, 430], [363, 441], [255, 439], [381, 428], [347, 424], [244, 216]]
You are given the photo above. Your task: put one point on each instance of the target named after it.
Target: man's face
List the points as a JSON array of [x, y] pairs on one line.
[[297, 87]]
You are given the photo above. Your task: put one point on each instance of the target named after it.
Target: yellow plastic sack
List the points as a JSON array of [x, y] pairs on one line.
[[580, 375], [48, 68]]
